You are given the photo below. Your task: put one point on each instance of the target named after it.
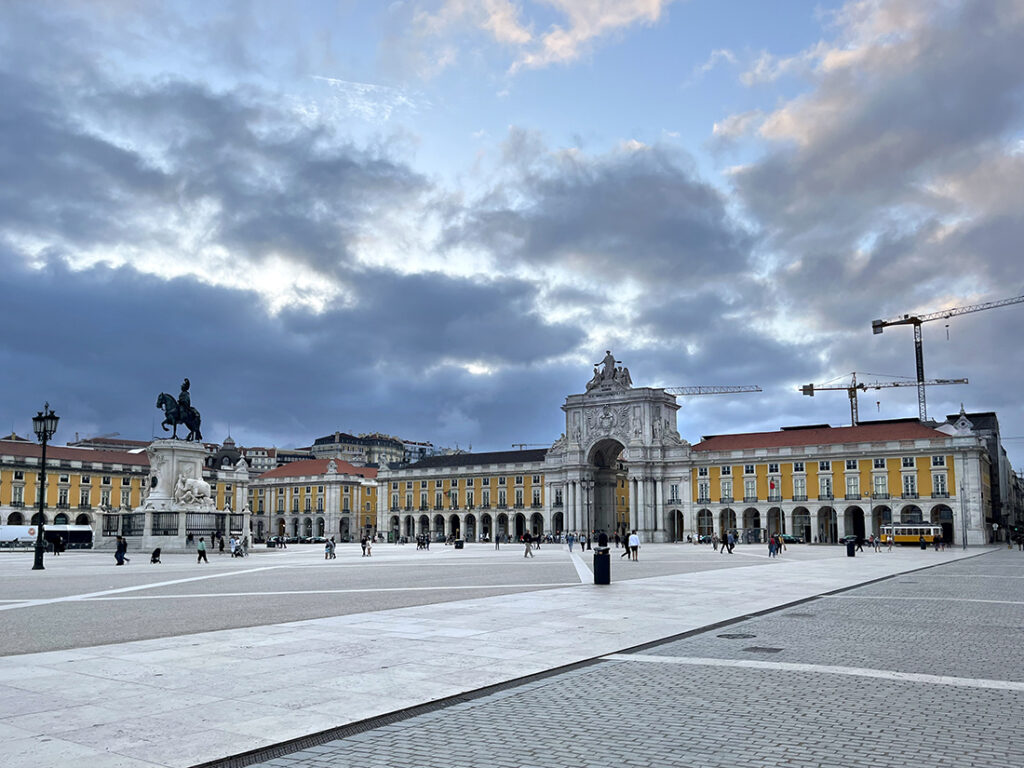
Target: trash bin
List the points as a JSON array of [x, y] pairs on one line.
[[602, 566], [459, 543], [851, 547]]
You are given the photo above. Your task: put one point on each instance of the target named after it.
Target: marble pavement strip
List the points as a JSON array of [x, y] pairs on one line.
[[179, 701]]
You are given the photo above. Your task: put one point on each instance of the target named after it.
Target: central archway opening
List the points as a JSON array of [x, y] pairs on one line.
[[603, 487]]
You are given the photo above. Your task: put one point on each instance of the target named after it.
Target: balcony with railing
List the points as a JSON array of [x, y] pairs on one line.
[[750, 499], [852, 497], [725, 500], [910, 495], [799, 497], [774, 497], [824, 496], [880, 495], [940, 494]]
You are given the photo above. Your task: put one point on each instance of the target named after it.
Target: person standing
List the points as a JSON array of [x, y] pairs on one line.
[[570, 539], [634, 545], [220, 543], [731, 541], [771, 546], [714, 541], [497, 540], [201, 552], [528, 544], [362, 543]]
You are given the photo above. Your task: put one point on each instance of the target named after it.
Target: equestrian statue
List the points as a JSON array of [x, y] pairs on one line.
[[180, 411]]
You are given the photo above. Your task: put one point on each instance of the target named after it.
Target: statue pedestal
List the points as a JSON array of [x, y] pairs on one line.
[[179, 501]]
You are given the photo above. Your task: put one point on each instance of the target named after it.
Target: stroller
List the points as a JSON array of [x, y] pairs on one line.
[[155, 557], [238, 551]]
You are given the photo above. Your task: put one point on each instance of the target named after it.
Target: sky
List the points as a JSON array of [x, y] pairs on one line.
[[429, 218]]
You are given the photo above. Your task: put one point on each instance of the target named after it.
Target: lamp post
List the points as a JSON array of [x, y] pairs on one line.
[[45, 425], [588, 485]]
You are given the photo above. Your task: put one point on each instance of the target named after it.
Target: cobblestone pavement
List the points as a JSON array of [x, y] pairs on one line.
[[822, 687]]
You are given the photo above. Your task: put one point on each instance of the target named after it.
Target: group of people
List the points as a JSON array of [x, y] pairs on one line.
[[776, 545], [727, 544], [367, 544], [329, 549]]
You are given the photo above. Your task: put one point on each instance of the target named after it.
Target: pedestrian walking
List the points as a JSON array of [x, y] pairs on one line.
[[327, 550], [220, 544], [363, 543], [201, 552], [860, 544], [570, 539], [634, 545], [714, 541], [731, 541], [528, 545], [890, 539], [497, 541], [121, 551]]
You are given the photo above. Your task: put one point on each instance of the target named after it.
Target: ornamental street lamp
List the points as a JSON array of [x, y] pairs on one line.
[[45, 425]]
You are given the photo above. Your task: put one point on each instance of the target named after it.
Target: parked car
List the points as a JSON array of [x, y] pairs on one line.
[[849, 538], [789, 538], [705, 539]]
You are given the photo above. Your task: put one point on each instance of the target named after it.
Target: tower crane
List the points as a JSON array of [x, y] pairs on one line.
[[877, 326], [854, 386], [712, 390]]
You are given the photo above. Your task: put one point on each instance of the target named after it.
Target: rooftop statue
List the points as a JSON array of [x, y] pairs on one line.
[[607, 375], [180, 411]]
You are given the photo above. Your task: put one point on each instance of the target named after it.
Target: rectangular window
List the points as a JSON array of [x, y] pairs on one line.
[[394, 486], [703, 491], [485, 497], [453, 499], [748, 469], [798, 466], [938, 461], [750, 489], [800, 488], [851, 463], [519, 497], [501, 480], [519, 479], [423, 499], [536, 479], [320, 505], [319, 489], [824, 487], [824, 466], [469, 498], [105, 480], [105, 498], [853, 487], [726, 489], [126, 499], [20, 475], [346, 489], [773, 468], [19, 495], [558, 497], [502, 501], [673, 492], [727, 470], [438, 503], [910, 486], [62, 497], [394, 501], [437, 483], [65, 479], [879, 463], [408, 501], [908, 462], [939, 487], [536, 497], [308, 489], [485, 480], [702, 471]]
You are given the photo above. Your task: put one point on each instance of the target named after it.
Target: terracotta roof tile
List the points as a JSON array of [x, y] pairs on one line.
[[12, 448], [870, 432], [313, 467]]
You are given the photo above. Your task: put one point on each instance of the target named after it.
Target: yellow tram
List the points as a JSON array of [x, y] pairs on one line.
[[911, 533]]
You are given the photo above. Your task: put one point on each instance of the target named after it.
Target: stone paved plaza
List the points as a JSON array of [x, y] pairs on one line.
[[177, 665], [820, 684]]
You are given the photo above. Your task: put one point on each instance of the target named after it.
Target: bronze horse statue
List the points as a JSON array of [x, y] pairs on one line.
[[173, 416]]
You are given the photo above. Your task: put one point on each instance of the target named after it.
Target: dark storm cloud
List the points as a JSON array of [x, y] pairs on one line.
[[100, 344], [258, 182], [639, 213]]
